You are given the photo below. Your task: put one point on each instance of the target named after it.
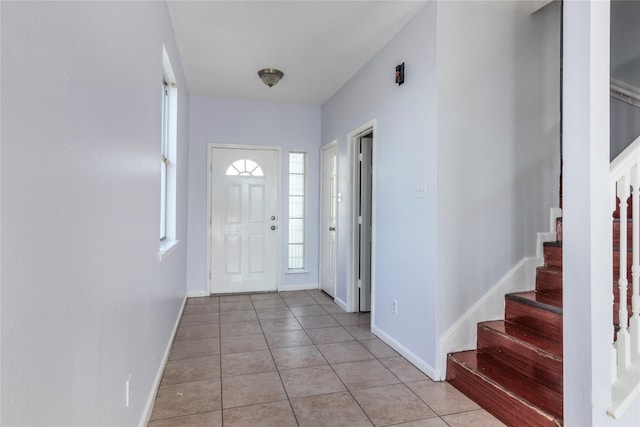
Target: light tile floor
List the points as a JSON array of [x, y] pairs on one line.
[[296, 359]]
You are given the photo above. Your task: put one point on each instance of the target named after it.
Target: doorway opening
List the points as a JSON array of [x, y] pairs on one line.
[[362, 218]]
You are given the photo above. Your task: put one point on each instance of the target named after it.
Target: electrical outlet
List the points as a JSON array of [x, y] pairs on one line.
[[128, 390], [394, 306]]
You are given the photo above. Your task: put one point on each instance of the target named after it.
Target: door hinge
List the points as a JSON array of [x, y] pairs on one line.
[[359, 220], [359, 283], [360, 157]]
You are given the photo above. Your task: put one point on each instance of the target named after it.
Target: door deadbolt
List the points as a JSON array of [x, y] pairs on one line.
[[273, 227], [273, 217]]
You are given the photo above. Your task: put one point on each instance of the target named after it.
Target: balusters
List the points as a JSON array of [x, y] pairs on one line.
[[623, 342], [634, 322]]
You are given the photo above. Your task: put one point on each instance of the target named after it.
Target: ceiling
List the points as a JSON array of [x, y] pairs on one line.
[[319, 45]]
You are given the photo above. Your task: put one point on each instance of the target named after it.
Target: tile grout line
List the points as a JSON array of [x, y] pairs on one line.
[[313, 344], [277, 371]]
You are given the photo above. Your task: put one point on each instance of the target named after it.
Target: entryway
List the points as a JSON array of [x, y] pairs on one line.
[[243, 189], [361, 142]]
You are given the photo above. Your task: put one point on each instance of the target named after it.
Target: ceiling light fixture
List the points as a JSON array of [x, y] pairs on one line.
[[270, 76]]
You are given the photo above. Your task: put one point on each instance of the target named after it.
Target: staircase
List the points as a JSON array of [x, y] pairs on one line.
[[516, 371]]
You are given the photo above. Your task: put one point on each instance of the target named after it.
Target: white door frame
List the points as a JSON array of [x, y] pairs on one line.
[[333, 143], [352, 279], [210, 147]]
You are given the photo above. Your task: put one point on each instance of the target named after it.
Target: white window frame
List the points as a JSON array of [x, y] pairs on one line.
[[303, 243], [168, 158]]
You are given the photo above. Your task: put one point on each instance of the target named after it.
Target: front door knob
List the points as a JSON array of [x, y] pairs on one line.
[[273, 217], [332, 229], [273, 227]]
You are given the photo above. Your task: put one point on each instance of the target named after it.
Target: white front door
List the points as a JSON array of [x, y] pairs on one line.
[[244, 219], [328, 218]]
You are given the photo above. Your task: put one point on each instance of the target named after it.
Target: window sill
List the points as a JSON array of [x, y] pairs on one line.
[[297, 271], [166, 248]]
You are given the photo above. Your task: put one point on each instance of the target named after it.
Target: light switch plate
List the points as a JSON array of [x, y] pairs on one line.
[[420, 190]]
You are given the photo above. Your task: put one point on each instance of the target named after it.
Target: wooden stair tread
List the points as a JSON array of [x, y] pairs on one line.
[[513, 389], [527, 353], [527, 337], [543, 300]]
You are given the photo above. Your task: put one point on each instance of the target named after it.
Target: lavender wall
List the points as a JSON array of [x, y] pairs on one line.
[[404, 154], [85, 300], [234, 121], [477, 120], [498, 144]]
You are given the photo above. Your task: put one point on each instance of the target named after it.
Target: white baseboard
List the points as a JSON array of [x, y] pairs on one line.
[[554, 214], [341, 304], [406, 353], [305, 287], [196, 294], [543, 237], [462, 335], [154, 390]]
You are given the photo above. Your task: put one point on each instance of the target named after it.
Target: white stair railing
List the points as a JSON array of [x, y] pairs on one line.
[[625, 182]]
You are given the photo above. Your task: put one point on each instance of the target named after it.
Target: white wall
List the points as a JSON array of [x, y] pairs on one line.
[[404, 154], [498, 144], [234, 121], [85, 300], [625, 66]]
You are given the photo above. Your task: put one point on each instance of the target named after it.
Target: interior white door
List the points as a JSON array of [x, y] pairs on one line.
[[328, 218], [364, 220], [244, 220]]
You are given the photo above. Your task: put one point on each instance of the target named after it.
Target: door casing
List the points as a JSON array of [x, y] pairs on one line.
[[353, 139], [209, 227]]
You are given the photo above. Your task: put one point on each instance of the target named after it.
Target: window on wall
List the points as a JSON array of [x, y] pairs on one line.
[[168, 157], [297, 165], [164, 159]]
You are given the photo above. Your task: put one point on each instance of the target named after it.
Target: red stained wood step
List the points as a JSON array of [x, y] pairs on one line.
[[616, 232], [616, 303], [616, 263], [552, 254], [538, 311], [549, 279], [553, 346], [533, 357], [559, 229], [520, 403]]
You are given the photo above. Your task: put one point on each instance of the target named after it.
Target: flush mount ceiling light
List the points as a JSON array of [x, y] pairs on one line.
[[270, 76]]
